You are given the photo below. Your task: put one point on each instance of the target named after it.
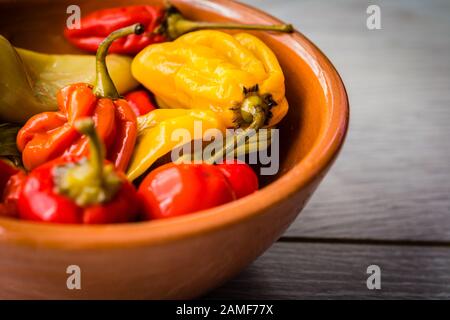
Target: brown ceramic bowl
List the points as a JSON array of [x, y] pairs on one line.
[[187, 256]]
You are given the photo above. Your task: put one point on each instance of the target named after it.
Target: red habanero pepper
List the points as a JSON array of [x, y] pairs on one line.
[[178, 189], [161, 24], [79, 189], [140, 101], [49, 135]]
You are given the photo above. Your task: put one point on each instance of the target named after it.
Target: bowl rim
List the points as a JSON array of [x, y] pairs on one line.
[[316, 162]]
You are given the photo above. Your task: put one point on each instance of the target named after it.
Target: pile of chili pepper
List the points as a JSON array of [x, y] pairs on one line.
[[49, 135], [90, 156]]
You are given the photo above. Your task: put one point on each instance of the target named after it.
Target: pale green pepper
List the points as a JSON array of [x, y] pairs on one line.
[[29, 80]]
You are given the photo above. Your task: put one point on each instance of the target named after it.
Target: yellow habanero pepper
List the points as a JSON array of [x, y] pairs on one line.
[[156, 134], [237, 76]]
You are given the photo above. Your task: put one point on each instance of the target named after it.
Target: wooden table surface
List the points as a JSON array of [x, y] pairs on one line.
[[387, 199]]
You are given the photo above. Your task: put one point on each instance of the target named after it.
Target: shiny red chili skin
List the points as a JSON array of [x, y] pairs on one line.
[[8, 210], [178, 189], [241, 177], [10, 194], [140, 101], [96, 26], [38, 201], [6, 171]]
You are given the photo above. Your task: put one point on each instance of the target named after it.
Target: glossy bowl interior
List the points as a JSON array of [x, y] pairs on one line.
[[186, 256]]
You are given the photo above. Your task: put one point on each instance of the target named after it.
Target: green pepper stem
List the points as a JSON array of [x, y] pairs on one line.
[[97, 150], [104, 86], [184, 26], [253, 111], [176, 25], [88, 181], [235, 142]]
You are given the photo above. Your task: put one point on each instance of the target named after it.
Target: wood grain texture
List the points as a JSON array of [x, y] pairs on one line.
[[392, 180], [391, 184], [330, 271]]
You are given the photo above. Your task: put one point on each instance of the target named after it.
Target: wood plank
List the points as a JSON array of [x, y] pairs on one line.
[[392, 180], [330, 271]]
